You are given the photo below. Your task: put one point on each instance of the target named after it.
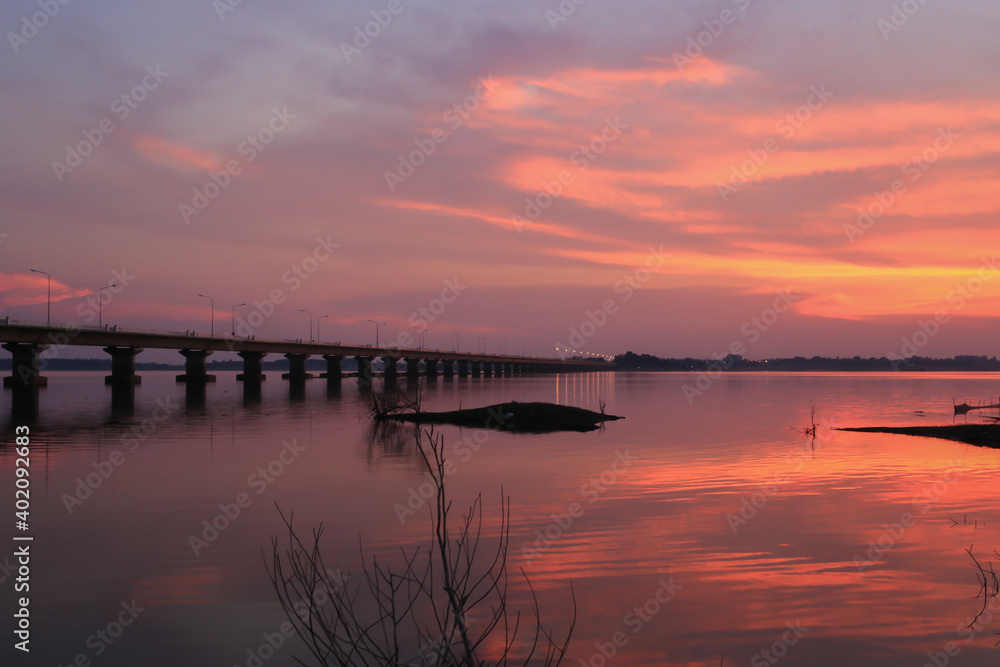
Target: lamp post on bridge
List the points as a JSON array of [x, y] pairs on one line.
[[483, 339], [318, 320], [458, 340], [212, 306], [48, 298], [420, 337], [234, 316], [100, 304], [303, 310], [377, 325]]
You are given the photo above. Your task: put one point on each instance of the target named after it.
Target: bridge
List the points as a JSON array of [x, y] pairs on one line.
[[32, 344]]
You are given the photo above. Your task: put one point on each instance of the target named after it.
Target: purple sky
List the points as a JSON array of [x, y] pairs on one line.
[[536, 165]]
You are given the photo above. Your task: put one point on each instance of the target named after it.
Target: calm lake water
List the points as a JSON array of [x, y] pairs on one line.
[[755, 526]]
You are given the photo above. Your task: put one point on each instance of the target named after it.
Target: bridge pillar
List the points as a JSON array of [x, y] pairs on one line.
[[448, 367], [296, 367], [364, 370], [412, 367], [25, 370], [334, 369], [477, 368], [487, 368], [463, 368], [195, 368], [391, 367], [253, 368], [432, 367], [122, 365]]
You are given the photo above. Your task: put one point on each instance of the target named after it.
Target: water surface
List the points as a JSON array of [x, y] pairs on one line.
[[798, 554]]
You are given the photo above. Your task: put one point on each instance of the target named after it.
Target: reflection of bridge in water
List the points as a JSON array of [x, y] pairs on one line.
[[33, 344]]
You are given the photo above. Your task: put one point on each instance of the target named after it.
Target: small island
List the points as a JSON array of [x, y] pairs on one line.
[[981, 435], [513, 416]]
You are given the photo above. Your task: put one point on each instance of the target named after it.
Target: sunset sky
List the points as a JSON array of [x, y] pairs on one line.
[[663, 169]]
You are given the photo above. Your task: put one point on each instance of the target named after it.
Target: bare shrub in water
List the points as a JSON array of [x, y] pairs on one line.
[[446, 605]]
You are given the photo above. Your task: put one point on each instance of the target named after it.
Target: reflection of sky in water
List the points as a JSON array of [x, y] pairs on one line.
[[663, 517]]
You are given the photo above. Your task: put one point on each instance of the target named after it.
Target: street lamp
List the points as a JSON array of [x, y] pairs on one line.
[[483, 339], [48, 299], [100, 305], [234, 316], [377, 325], [318, 320], [420, 337], [212, 306], [303, 310], [458, 340]]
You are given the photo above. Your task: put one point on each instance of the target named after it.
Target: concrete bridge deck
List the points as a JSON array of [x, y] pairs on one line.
[[32, 343]]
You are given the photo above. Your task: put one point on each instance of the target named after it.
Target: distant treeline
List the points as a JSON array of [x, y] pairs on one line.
[[631, 361]]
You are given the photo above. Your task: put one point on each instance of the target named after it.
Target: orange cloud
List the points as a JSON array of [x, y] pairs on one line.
[[30, 289], [174, 156], [507, 223]]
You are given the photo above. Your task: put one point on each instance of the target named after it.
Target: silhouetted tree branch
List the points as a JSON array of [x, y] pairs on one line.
[[438, 608]]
